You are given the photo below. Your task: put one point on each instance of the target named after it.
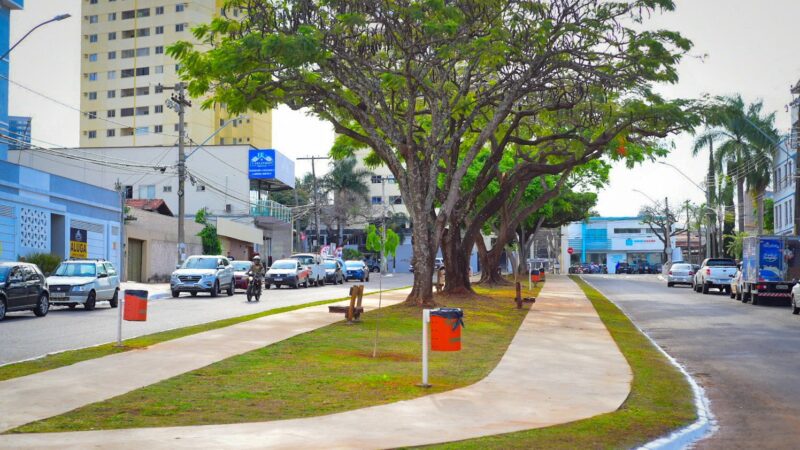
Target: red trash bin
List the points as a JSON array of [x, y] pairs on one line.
[[446, 324], [135, 306]]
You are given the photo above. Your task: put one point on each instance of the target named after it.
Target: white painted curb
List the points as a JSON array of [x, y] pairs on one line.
[[703, 427]]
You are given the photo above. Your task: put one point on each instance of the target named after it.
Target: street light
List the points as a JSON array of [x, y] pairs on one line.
[[54, 19], [648, 197], [684, 176]]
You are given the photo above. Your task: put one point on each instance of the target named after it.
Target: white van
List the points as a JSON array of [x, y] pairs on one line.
[[313, 262]]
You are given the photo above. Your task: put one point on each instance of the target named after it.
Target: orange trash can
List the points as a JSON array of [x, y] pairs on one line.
[[446, 324], [535, 277], [135, 306]]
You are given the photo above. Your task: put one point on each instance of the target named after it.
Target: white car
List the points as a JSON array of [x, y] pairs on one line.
[[289, 272], [203, 274], [715, 273], [313, 263], [84, 282]]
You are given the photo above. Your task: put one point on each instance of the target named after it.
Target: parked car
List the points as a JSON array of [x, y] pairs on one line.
[[23, 287], [313, 263], [203, 274], [374, 264], [736, 285], [714, 273], [240, 269], [333, 271], [680, 273], [290, 272], [356, 270], [84, 282], [438, 263]]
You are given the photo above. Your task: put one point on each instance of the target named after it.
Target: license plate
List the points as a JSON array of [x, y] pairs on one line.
[[782, 286], [278, 278], [58, 295]]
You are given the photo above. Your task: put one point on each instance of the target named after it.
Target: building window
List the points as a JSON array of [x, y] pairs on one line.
[[179, 27], [377, 200], [221, 141], [159, 50], [112, 16], [180, 7], [92, 95], [91, 115], [111, 132], [159, 10], [175, 127], [126, 112], [376, 179], [111, 113], [127, 92], [93, 18], [141, 131], [159, 69], [201, 188], [93, 57], [158, 109], [127, 73], [92, 2], [112, 36], [128, 192], [92, 38], [92, 134], [141, 32], [142, 110], [111, 74], [128, 131], [160, 29], [142, 71], [147, 191], [93, 76], [627, 230], [395, 200], [158, 129], [143, 90], [111, 94], [167, 188], [143, 12], [112, 55]]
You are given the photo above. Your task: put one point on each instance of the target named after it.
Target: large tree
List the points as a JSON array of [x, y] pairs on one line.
[[427, 84]]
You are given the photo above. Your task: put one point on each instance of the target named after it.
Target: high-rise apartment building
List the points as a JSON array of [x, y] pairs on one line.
[[124, 64]]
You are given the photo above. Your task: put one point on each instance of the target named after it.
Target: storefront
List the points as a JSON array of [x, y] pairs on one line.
[[611, 240]]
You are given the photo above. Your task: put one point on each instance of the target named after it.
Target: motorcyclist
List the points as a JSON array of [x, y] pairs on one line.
[[257, 270]]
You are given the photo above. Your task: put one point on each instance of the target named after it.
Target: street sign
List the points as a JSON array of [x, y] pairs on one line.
[[78, 246], [570, 250]]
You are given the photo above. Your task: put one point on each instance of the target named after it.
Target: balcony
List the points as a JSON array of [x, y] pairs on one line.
[[270, 210]]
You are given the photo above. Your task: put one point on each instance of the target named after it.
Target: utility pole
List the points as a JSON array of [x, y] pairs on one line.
[[123, 264], [667, 232], [316, 200], [178, 103], [688, 232], [795, 108]]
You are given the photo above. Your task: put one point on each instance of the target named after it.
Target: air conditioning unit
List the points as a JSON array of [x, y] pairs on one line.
[[228, 208]]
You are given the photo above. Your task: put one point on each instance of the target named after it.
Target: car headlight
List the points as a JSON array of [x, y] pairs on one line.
[[208, 277], [82, 288], [174, 277]]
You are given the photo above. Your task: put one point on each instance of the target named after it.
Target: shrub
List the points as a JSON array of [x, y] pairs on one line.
[[350, 254], [46, 262]]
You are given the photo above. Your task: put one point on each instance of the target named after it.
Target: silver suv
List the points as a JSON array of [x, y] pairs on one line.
[[84, 282], [203, 274]]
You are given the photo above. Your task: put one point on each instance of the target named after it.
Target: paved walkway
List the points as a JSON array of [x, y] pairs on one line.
[[561, 366]]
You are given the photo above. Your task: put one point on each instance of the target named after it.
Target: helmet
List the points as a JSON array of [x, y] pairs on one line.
[[256, 258]]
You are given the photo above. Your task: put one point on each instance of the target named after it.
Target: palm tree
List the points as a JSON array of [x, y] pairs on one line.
[[744, 134], [350, 190]]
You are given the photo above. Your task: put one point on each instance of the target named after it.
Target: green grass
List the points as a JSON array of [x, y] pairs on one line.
[[660, 400], [321, 372], [69, 357]]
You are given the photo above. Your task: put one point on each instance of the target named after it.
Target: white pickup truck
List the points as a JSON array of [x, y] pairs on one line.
[[715, 273]]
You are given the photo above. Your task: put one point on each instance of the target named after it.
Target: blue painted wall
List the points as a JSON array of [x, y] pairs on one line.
[[5, 34]]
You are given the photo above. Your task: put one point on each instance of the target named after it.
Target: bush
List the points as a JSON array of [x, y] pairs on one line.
[[46, 262], [349, 254]]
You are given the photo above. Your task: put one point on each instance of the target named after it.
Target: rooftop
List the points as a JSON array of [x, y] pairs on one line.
[[156, 205]]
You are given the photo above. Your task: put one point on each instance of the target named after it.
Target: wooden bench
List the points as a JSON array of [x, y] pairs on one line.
[[353, 311]]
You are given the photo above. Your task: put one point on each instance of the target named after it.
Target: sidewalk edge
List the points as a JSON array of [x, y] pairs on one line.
[[705, 425]]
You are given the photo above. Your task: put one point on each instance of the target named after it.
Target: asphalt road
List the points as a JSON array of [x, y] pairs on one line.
[[746, 357], [24, 336]]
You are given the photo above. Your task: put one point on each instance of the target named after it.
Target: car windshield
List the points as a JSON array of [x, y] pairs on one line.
[[242, 266], [4, 273], [330, 264], [721, 262], [305, 260], [76, 270], [284, 265], [200, 263], [354, 264]]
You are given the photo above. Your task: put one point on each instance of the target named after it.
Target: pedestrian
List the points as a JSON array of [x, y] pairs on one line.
[[616, 269]]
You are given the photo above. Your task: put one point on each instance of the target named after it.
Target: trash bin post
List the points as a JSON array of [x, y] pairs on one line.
[[120, 307], [426, 319]]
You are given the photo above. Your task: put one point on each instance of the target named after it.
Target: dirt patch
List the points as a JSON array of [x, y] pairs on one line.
[[390, 356]]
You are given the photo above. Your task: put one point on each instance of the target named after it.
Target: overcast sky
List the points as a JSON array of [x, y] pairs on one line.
[[747, 46]]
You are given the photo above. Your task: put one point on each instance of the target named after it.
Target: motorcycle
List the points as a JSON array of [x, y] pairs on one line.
[[253, 288]]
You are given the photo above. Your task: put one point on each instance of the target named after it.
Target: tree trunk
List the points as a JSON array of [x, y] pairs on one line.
[[456, 264], [490, 265], [424, 246], [740, 201], [760, 206]]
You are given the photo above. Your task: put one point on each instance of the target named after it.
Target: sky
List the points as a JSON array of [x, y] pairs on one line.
[[740, 46]]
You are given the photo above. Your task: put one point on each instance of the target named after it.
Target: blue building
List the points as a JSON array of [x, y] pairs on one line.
[[45, 213], [19, 132]]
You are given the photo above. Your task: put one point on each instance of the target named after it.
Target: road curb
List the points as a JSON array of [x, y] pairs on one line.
[[702, 428]]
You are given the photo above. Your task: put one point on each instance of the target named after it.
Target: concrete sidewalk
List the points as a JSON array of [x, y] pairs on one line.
[[561, 366]]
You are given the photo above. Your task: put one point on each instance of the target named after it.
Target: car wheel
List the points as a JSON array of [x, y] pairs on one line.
[[175, 294], [230, 289], [91, 300], [669, 285], [42, 306], [704, 289], [753, 299], [2, 309], [72, 305], [194, 294], [277, 285], [215, 289], [266, 285], [114, 300]]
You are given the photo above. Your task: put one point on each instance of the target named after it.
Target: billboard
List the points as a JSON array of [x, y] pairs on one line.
[[78, 243], [270, 165]]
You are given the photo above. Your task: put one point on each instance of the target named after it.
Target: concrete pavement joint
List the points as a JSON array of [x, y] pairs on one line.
[[702, 428]]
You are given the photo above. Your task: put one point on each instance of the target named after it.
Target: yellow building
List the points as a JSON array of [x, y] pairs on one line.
[[123, 62]]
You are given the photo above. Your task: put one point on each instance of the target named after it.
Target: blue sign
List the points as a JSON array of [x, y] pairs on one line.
[[261, 164]]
